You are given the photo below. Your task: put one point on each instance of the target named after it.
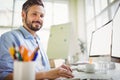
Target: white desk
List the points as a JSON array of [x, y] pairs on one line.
[[110, 75]]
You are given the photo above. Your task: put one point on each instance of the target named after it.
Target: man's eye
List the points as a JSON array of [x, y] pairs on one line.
[[34, 14], [42, 16]]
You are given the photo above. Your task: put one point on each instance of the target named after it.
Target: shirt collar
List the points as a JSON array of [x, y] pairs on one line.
[[26, 34]]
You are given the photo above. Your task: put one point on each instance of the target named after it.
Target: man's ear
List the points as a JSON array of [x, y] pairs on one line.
[[23, 14]]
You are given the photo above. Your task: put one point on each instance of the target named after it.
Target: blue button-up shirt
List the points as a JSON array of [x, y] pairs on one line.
[[20, 37]]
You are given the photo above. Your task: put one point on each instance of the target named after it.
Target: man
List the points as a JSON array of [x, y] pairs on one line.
[[32, 18]]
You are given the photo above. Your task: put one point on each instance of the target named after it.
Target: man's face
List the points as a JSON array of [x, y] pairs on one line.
[[34, 17]]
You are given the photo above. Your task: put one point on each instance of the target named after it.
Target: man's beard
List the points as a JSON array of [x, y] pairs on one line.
[[30, 26]]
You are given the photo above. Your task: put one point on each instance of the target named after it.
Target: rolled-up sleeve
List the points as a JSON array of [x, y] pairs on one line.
[[6, 61]]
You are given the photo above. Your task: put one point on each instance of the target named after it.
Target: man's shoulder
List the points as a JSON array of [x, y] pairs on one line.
[[14, 32]]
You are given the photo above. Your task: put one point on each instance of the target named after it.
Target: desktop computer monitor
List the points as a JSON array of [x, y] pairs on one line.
[[115, 53], [101, 41]]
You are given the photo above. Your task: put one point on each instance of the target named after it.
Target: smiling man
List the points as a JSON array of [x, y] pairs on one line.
[[32, 18]]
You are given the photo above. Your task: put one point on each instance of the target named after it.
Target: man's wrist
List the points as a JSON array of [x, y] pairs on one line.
[[41, 75]]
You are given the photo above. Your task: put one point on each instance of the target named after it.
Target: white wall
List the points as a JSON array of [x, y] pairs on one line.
[[77, 17]]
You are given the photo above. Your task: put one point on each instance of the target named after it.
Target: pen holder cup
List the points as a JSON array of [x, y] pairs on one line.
[[24, 70]]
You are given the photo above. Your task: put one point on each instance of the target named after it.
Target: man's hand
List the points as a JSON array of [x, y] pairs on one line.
[[62, 71], [66, 67]]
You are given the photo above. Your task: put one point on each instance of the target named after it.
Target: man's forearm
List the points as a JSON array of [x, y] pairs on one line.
[[41, 76], [9, 77]]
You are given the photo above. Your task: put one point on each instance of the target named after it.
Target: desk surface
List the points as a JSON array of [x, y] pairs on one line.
[[112, 74]]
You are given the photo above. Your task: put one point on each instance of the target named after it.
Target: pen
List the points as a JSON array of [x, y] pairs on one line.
[[34, 54]]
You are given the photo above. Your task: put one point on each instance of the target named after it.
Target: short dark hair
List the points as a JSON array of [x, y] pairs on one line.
[[30, 3]]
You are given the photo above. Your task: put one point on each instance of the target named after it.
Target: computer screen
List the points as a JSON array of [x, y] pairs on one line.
[[116, 35], [101, 40]]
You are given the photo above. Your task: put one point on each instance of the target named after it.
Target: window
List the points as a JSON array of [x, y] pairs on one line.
[[17, 19], [89, 10], [100, 5], [56, 12], [6, 10]]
